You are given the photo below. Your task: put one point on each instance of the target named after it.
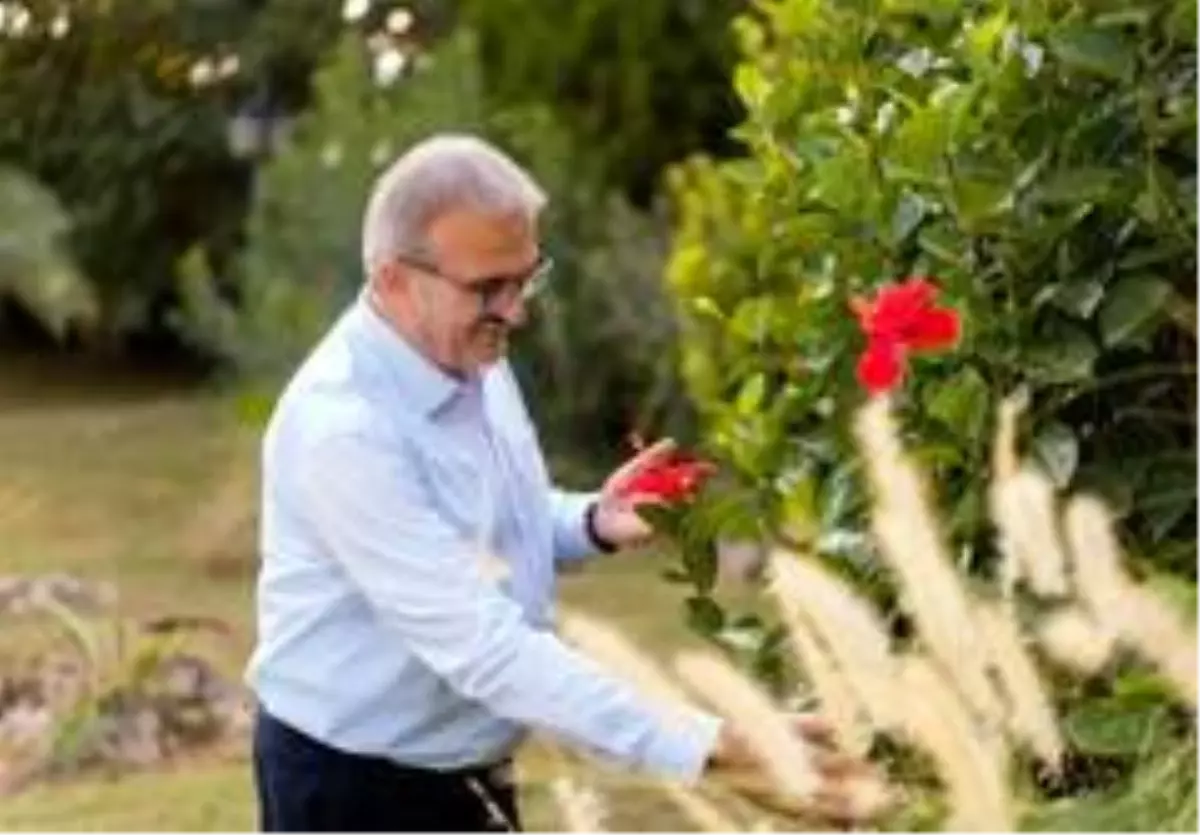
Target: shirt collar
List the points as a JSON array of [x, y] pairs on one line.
[[429, 386]]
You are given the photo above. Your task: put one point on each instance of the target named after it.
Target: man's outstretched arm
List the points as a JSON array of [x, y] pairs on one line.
[[426, 583]]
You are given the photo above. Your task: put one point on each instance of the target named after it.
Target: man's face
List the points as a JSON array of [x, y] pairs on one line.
[[439, 298]]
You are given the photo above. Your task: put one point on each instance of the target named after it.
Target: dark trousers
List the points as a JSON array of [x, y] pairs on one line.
[[306, 786]]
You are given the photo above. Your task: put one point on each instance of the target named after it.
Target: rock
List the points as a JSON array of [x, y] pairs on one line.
[[22, 595], [131, 737], [25, 724]]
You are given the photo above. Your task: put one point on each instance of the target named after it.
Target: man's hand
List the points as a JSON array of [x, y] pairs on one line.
[[616, 518], [850, 790]]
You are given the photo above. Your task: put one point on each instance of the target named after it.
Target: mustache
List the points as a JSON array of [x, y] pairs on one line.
[[493, 322]]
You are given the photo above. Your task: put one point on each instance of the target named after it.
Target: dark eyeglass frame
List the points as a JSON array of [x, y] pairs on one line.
[[491, 289]]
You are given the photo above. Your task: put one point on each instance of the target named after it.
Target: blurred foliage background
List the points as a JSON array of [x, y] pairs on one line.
[[181, 183], [184, 141]]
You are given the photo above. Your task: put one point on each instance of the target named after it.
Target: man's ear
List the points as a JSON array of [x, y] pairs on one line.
[[390, 280]]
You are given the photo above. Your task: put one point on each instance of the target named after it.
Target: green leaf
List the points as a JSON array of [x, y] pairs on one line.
[[750, 622], [700, 560], [1104, 52], [979, 200], [961, 403], [1169, 494], [1139, 685], [751, 395], [706, 307], [1129, 305], [1164, 516], [665, 519], [1058, 449], [704, 615], [1115, 726], [752, 319], [1181, 21], [1069, 358], [1078, 297], [910, 212], [943, 243], [1079, 185]]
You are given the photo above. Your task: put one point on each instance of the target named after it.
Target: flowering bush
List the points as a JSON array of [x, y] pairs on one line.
[[1039, 160]]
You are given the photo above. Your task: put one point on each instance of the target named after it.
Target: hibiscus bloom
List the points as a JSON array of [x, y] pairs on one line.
[[676, 479], [902, 318]]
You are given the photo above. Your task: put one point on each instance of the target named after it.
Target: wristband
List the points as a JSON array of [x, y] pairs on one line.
[[589, 523]]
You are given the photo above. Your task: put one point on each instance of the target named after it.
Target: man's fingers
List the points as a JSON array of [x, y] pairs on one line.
[[841, 802], [648, 457], [633, 501], [813, 728], [850, 790], [834, 765]]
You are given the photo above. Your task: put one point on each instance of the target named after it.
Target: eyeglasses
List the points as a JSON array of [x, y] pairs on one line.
[[493, 291]]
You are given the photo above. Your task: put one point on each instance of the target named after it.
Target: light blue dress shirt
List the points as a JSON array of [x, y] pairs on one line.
[[379, 631]]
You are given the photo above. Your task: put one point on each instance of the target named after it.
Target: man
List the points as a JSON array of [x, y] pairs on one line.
[[394, 677]]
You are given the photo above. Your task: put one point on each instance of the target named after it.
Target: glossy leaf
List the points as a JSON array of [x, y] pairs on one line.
[[1058, 450], [961, 403], [1079, 297], [1131, 304], [1115, 726], [1097, 50], [704, 615], [700, 561], [1071, 357], [1078, 185]]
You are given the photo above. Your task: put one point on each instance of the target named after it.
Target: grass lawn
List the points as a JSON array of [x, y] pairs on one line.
[[130, 480]]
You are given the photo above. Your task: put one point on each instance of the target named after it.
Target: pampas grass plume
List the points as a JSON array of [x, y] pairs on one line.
[[1031, 716], [581, 807], [1023, 510], [786, 758], [699, 810], [972, 768], [815, 602], [908, 538], [1139, 617], [1073, 639]]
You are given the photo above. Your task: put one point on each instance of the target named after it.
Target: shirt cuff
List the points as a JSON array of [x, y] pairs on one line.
[[571, 540], [682, 750]]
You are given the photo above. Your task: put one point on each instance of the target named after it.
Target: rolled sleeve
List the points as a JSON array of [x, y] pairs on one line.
[[568, 510], [427, 586]]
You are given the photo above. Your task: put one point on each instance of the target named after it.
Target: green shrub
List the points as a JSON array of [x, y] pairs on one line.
[[1039, 161], [643, 84], [35, 268], [101, 104]]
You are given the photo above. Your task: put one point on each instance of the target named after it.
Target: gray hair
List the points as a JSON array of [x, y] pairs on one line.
[[447, 171]]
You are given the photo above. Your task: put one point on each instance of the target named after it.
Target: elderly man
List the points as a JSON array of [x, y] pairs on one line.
[[394, 676]]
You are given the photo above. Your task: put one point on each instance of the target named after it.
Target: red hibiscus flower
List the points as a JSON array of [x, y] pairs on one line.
[[676, 479], [902, 318]]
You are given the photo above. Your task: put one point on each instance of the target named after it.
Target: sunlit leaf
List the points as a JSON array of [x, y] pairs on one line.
[[1058, 450], [1130, 304]]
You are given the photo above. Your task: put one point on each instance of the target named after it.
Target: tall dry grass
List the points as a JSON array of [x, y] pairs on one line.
[[968, 691]]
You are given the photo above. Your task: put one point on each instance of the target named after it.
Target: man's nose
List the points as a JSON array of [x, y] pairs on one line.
[[512, 312]]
